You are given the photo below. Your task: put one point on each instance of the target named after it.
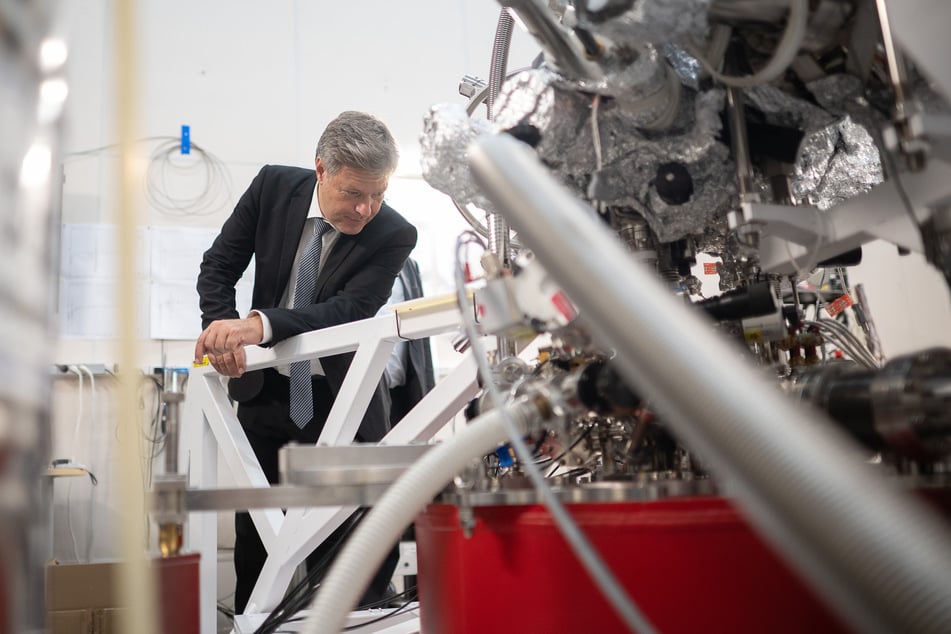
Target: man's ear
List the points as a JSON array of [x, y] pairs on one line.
[[321, 169]]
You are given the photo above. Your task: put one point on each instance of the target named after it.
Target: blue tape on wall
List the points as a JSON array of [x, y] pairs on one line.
[[186, 139]]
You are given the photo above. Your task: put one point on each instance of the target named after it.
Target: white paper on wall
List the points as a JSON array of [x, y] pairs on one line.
[[167, 261]]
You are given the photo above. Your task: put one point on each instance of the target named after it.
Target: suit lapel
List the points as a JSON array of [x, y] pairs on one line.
[[338, 255], [296, 217]]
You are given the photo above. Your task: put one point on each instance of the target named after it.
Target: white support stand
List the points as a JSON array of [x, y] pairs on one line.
[[210, 426]]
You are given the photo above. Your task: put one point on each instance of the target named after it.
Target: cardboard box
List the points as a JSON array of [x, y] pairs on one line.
[[83, 598]]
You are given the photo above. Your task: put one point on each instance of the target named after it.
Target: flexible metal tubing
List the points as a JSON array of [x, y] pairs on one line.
[[498, 227], [381, 528], [500, 59], [880, 558]]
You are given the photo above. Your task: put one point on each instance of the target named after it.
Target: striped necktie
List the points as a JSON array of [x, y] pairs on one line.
[[302, 399]]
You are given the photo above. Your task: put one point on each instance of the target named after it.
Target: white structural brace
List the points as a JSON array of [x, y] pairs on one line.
[[210, 428]]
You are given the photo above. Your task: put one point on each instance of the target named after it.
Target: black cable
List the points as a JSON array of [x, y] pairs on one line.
[[301, 595], [584, 434]]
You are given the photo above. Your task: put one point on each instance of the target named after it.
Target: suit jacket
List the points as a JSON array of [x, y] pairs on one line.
[[420, 376], [353, 283]]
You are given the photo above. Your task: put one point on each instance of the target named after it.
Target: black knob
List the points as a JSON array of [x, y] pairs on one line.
[[673, 183]]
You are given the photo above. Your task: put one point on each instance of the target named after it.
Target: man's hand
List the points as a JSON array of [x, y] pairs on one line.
[[224, 341]]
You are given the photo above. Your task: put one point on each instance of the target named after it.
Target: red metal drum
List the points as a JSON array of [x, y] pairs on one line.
[[691, 564]]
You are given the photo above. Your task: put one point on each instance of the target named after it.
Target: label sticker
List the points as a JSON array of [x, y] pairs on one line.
[[839, 304]]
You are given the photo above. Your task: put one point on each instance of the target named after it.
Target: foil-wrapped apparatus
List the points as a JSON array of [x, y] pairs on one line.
[[642, 86], [447, 133], [838, 157], [629, 155], [835, 163], [786, 110], [559, 112], [632, 162], [842, 94], [628, 23]]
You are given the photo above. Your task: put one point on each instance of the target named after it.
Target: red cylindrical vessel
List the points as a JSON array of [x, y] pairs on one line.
[[691, 565]]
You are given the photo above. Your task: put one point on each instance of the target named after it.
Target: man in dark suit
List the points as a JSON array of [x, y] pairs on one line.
[[327, 249]]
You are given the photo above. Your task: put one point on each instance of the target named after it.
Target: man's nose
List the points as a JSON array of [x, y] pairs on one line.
[[365, 207]]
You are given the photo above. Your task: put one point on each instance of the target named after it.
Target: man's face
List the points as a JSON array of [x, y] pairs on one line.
[[350, 198]]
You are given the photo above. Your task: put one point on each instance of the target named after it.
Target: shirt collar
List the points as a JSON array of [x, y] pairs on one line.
[[314, 211]]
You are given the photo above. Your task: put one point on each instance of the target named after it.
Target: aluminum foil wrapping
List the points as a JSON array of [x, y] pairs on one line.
[[842, 95], [835, 163], [783, 109], [838, 157], [642, 84], [655, 21], [632, 161], [836, 93], [561, 114], [447, 133], [684, 65], [629, 158]]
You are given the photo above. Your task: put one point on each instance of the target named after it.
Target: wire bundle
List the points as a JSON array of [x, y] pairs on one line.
[[300, 596], [845, 339], [167, 168]]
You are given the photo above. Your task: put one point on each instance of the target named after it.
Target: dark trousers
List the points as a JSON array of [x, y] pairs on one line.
[[265, 419]]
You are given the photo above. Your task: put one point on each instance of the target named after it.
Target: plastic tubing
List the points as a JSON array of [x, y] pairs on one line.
[[785, 52], [382, 527]]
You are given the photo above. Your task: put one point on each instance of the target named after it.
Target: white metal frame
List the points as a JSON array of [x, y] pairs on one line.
[[210, 426]]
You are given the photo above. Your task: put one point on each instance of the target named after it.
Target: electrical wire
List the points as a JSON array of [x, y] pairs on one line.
[[301, 595], [164, 173], [69, 487], [595, 131], [812, 255], [216, 192], [79, 406], [601, 575], [596, 139], [90, 533], [855, 345], [845, 339], [581, 437]]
